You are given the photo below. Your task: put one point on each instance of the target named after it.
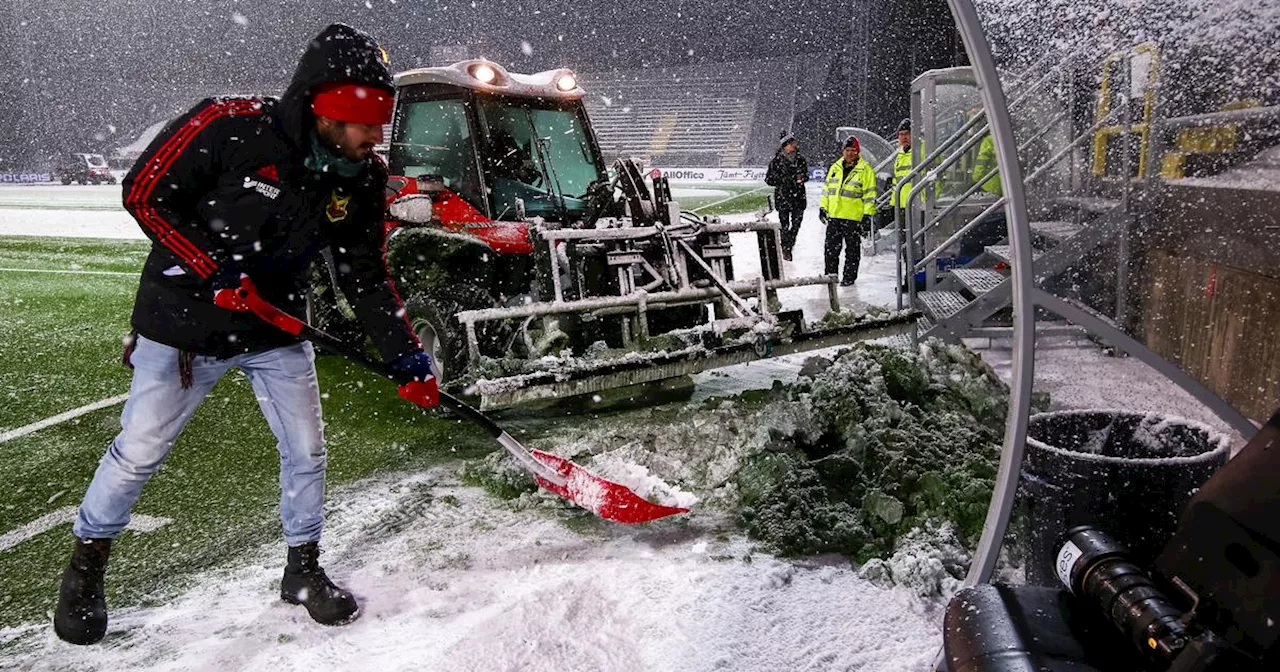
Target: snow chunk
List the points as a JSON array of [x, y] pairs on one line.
[[640, 481]]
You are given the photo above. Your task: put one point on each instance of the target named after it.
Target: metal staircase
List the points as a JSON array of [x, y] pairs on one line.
[[962, 296]]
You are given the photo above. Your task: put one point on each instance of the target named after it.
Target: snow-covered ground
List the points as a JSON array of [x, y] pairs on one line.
[[73, 211], [690, 192], [449, 580], [57, 196], [452, 579], [1077, 374], [69, 223], [876, 275]]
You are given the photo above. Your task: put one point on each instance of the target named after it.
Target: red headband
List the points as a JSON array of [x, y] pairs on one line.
[[354, 104]]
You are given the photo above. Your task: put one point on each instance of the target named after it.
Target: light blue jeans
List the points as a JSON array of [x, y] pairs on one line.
[[284, 381]]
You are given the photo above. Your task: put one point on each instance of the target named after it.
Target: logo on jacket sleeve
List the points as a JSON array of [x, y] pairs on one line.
[[337, 210]]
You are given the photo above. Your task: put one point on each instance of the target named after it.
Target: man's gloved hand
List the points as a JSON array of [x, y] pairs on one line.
[[417, 364], [225, 283], [822, 216], [423, 389]]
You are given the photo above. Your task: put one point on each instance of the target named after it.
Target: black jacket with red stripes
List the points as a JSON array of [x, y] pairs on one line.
[[225, 184]]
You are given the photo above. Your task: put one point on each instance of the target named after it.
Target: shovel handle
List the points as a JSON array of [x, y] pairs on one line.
[[292, 325]]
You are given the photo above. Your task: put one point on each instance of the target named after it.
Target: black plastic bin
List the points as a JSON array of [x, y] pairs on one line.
[[1130, 474]]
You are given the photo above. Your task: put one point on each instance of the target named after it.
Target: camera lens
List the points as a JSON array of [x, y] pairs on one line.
[[1094, 566]]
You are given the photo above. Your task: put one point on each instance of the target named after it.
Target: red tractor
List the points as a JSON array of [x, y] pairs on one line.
[[83, 168], [536, 272]]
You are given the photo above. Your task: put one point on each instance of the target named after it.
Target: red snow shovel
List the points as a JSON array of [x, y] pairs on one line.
[[609, 500]]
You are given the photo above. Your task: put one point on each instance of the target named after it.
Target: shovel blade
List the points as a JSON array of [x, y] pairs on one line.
[[609, 500]]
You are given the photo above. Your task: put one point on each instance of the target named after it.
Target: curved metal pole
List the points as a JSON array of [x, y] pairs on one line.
[[1006, 146]]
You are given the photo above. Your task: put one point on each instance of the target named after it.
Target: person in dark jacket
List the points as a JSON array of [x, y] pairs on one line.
[[788, 171], [250, 188]]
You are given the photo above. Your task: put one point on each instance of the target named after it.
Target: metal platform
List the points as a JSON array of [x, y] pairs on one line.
[[978, 280], [1054, 232], [940, 305]]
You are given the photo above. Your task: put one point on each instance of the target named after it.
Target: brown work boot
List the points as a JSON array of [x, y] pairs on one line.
[[81, 617]]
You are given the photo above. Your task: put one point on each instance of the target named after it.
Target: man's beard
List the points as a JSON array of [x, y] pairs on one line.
[[357, 153], [354, 153], [334, 139]]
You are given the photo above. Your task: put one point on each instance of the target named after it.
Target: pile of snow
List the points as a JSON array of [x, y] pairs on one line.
[[850, 459], [927, 561]]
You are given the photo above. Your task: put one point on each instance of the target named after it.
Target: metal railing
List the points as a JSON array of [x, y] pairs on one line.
[[920, 185], [979, 185], [1041, 170]]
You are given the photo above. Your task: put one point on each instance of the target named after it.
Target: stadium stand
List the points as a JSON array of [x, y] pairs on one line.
[[722, 115]]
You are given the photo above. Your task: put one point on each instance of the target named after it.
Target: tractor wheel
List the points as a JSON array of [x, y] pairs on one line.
[[431, 316]]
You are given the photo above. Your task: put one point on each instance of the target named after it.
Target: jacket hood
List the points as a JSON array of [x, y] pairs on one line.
[[339, 53]]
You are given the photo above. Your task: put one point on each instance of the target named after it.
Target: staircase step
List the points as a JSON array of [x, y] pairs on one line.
[[1088, 203], [903, 340], [978, 280], [1005, 252], [1055, 231], [941, 305]]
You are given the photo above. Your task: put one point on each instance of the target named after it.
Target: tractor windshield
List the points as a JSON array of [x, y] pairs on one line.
[[434, 138], [538, 152]]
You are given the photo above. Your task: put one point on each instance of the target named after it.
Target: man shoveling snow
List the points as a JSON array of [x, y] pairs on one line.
[[251, 186]]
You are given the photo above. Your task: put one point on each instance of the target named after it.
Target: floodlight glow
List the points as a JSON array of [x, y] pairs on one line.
[[484, 73], [567, 82]]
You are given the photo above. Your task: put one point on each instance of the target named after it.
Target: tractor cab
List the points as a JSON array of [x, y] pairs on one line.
[[508, 146]]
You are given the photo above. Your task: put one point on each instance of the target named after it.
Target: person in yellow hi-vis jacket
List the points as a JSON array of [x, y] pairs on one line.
[[900, 188], [848, 196], [993, 228], [985, 165]]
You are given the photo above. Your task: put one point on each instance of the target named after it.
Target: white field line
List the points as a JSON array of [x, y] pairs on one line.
[[44, 270], [62, 417], [67, 514]]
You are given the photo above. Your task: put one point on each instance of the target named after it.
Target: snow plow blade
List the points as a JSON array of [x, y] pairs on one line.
[[514, 391], [609, 500]]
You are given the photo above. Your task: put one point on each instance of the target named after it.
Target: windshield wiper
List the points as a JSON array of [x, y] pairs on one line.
[[549, 173]]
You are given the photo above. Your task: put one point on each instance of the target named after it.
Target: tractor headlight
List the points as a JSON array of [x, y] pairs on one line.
[[567, 82], [484, 73]]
